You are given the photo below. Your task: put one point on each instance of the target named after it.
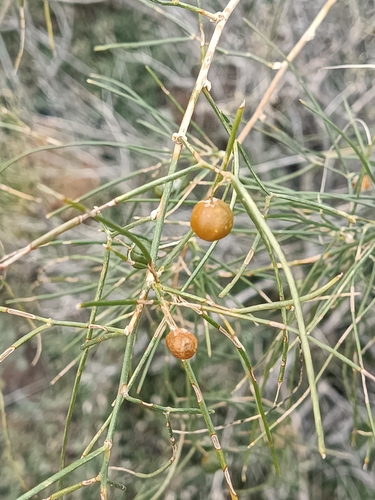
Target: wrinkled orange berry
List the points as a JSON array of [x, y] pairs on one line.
[[182, 343], [211, 219]]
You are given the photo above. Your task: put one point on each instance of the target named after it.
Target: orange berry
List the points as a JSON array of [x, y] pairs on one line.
[[366, 182], [211, 219], [182, 343]]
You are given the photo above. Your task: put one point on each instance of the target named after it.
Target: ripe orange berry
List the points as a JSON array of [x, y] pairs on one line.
[[182, 343], [211, 219]]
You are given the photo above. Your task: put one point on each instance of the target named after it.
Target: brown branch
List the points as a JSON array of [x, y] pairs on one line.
[[306, 37]]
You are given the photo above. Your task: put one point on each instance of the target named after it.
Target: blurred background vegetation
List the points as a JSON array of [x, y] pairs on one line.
[[50, 102]]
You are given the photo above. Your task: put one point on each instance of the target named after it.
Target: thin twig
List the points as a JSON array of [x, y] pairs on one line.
[[306, 37]]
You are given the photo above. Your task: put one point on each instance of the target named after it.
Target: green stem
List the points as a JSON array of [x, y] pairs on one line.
[[83, 359], [136, 45], [229, 149], [267, 234], [210, 427], [8, 447], [225, 122], [249, 371], [22, 340], [62, 473], [165, 409], [122, 390]]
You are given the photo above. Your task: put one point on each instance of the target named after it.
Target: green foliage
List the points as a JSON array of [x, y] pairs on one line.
[[282, 307]]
